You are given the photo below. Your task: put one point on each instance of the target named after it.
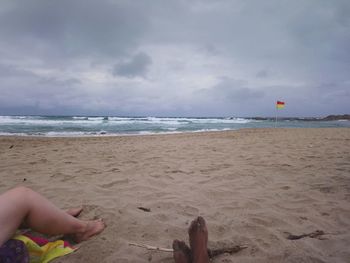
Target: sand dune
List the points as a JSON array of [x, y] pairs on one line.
[[250, 185]]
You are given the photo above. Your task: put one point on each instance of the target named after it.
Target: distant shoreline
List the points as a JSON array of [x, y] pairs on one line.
[[327, 118]]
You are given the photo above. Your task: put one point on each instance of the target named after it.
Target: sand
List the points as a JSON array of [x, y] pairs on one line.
[[250, 185]]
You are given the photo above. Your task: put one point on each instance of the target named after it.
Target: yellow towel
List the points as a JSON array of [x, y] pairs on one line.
[[45, 253]]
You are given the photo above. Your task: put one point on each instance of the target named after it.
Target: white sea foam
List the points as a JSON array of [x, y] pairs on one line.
[[199, 120], [68, 134], [152, 133], [13, 134], [80, 118], [39, 120], [96, 118], [145, 132], [211, 130], [123, 118], [181, 121]]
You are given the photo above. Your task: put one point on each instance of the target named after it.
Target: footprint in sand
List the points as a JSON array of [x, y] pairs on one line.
[[118, 182], [285, 187], [62, 177]]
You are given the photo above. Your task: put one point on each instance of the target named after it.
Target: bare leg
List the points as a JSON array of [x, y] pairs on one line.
[[74, 211], [182, 253], [22, 204], [71, 211], [198, 234]]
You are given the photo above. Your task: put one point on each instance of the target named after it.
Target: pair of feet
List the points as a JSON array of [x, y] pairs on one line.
[[198, 237]]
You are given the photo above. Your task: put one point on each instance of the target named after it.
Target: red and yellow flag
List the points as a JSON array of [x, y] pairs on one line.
[[280, 105]]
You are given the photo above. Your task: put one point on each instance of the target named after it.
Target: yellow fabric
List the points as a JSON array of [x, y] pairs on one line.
[[46, 253]]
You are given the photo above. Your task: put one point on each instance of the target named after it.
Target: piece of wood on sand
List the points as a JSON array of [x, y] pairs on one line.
[[315, 234], [211, 252]]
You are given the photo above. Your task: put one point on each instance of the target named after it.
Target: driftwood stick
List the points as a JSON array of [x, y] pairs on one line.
[[151, 247], [211, 252], [316, 234], [145, 209]]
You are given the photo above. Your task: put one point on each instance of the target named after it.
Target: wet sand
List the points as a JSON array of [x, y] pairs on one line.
[[252, 186]]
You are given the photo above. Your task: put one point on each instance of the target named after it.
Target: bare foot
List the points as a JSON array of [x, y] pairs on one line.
[[74, 211], [198, 234], [182, 253], [92, 228]]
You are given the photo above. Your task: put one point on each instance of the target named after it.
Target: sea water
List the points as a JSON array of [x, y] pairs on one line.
[[113, 125]]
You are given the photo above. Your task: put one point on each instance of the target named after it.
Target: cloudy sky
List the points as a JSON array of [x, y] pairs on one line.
[[174, 58]]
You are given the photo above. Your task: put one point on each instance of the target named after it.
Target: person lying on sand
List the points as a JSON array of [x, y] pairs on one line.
[[22, 206], [198, 237]]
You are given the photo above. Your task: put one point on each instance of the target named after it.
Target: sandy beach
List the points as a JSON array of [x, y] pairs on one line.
[[252, 186]]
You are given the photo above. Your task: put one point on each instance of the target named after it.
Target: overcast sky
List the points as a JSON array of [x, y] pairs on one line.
[[175, 58]]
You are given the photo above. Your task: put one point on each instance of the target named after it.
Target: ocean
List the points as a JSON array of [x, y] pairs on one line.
[[73, 126]]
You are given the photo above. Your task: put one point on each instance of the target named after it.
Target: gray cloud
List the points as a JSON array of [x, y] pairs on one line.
[[56, 57], [136, 66], [262, 74], [7, 71], [229, 96], [231, 90], [72, 28]]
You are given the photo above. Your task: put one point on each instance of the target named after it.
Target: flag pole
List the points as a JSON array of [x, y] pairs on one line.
[[276, 117]]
